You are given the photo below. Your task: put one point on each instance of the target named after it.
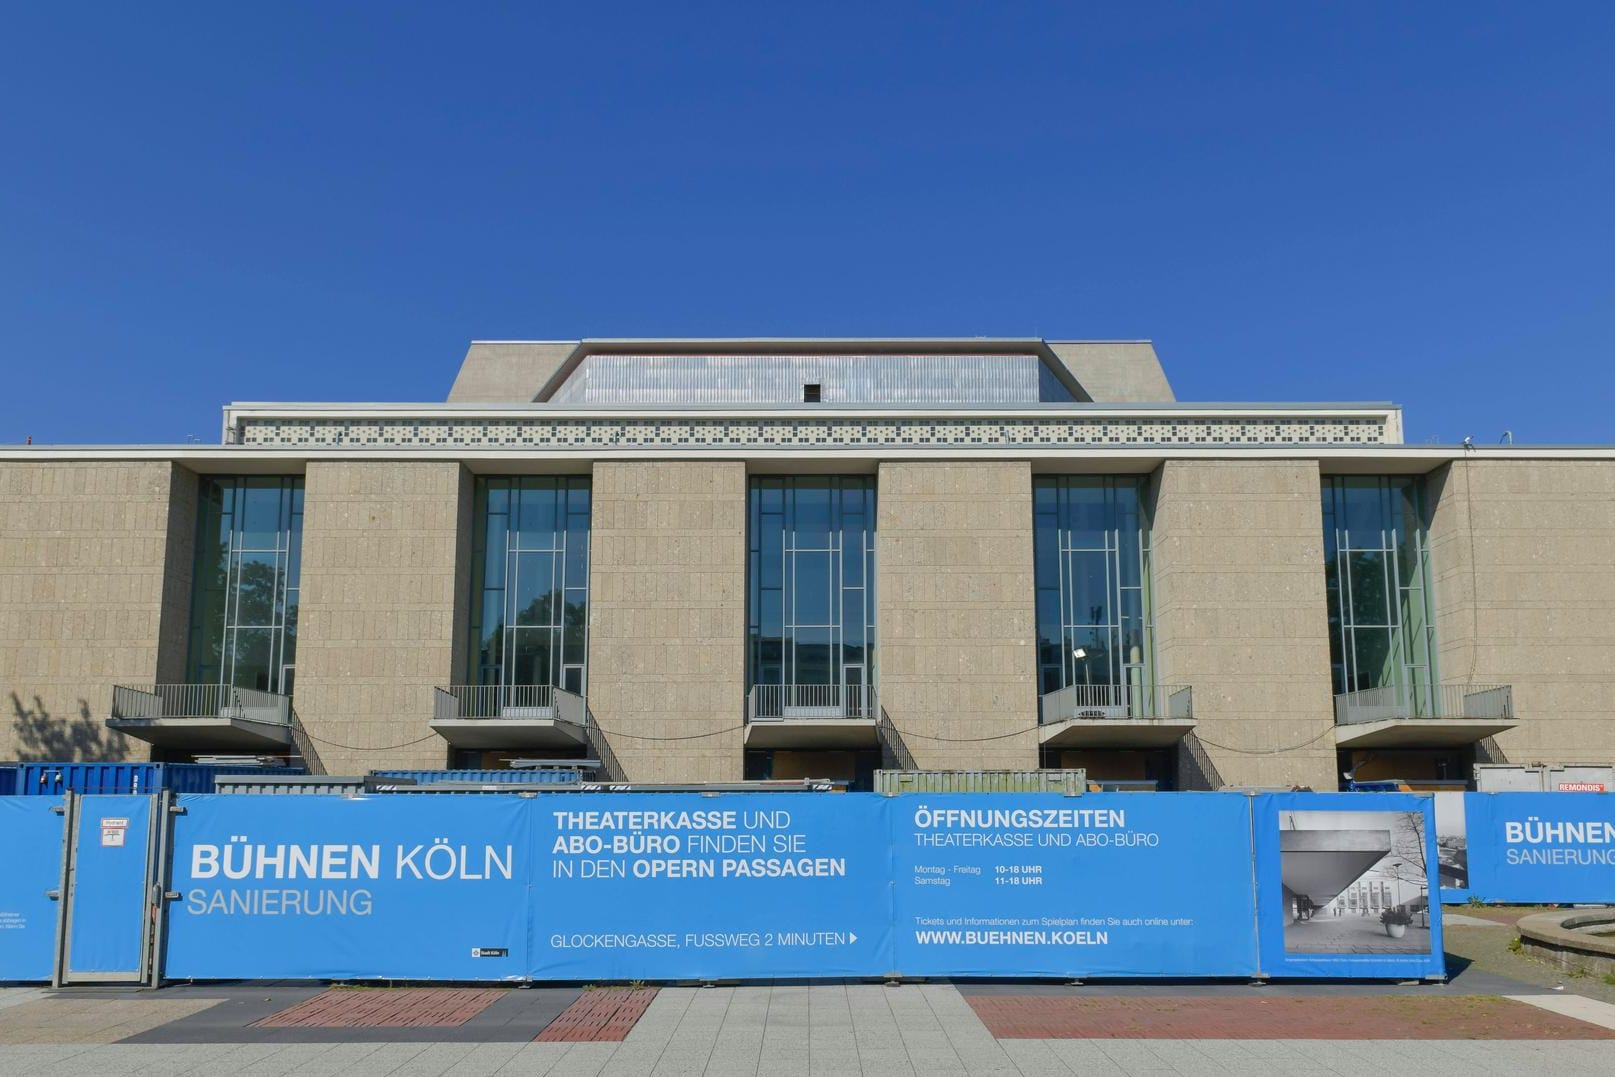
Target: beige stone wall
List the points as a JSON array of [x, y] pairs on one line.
[[1523, 554], [83, 605], [957, 622], [179, 570], [507, 372], [1241, 615], [667, 616], [377, 627]]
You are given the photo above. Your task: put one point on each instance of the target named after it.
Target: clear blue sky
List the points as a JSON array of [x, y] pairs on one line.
[[1295, 201]]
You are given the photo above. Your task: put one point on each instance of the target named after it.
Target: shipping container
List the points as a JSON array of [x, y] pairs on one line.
[[1544, 778], [1068, 782], [534, 776], [1579, 778], [288, 785], [1410, 785], [8, 779], [1508, 778], [52, 779]]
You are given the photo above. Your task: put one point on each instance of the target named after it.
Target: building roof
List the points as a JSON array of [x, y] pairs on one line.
[[516, 372]]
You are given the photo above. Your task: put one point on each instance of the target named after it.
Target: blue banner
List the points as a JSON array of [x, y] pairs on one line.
[[336, 888], [1343, 884], [684, 886], [1541, 847], [615, 887], [1120, 884], [31, 851]]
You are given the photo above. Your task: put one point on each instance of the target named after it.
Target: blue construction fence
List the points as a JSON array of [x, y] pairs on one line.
[[1526, 848], [685, 886], [54, 779]]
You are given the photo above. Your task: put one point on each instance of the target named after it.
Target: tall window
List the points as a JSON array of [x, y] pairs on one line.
[[531, 576], [1381, 633], [1092, 555], [812, 586], [249, 538]]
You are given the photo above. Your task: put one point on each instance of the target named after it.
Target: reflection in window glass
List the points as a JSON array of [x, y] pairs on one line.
[[1376, 565], [811, 574], [531, 581], [1091, 560], [243, 629]]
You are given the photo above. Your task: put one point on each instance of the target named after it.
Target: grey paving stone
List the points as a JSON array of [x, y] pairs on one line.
[[1034, 1056], [835, 1069]]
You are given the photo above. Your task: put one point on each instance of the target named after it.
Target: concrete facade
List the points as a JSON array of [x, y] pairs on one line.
[[507, 372], [1241, 616], [667, 617], [92, 595], [1524, 562], [1115, 371], [98, 547], [384, 566], [957, 629]]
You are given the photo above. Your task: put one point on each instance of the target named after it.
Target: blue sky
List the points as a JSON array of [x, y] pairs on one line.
[[312, 201]]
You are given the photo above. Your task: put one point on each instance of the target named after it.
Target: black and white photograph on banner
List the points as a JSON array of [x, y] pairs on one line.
[[1452, 841], [1355, 882]]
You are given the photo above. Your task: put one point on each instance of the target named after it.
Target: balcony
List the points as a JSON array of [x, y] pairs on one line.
[[203, 717], [802, 716], [1423, 716], [1116, 716], [497, 717]]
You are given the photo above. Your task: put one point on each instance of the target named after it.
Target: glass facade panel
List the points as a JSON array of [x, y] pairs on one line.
[[531, 569], [249, 537], [810, 606], [1376, 565], [1091, 557]]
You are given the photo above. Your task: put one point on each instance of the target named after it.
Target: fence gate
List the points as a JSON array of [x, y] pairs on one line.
[[109, 904]]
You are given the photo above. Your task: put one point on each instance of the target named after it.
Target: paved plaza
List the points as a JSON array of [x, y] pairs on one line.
[[1352, 933], [836, 1028]]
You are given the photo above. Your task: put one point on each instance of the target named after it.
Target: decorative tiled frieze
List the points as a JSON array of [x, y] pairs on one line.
[[804, 434]]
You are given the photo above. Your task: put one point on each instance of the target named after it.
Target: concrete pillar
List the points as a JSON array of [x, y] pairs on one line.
[[957, 623], [1241, 616], [385, 554], [667, 617], [84, 600], [1523, 555]]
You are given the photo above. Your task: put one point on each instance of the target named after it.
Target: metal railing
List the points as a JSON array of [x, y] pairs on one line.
[[1392, 701], [1117, 702], [200, 701], [494, 701], [779, 702], [573, 708]]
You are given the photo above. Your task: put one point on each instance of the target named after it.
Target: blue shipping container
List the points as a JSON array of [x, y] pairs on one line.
[[8, 779], [52, 779], [564, 776]]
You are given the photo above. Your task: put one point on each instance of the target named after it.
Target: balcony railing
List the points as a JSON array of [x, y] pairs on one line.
[[1117, 702], [494, 701], [200, 701], [1394, 701], [781, 702]]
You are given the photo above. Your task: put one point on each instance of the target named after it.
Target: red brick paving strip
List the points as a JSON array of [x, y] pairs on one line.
[[606, 1014], [404, 1007], [1384, 1017]]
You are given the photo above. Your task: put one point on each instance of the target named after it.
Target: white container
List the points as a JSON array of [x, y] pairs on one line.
[[1507, 778], [1544, 778], [1579, 778]]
